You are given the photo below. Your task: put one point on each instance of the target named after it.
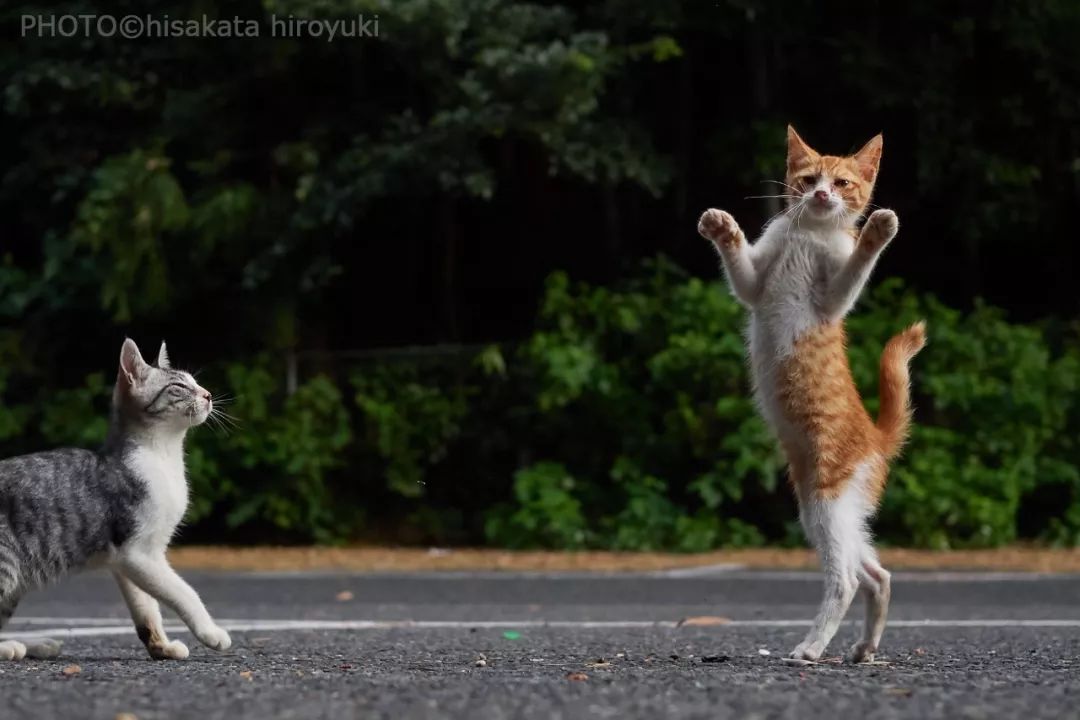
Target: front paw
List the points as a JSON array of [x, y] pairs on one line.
[[214, 638], [880, 228], [720, 228]]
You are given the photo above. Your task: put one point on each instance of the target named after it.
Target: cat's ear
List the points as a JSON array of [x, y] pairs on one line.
[[163, 357], [132, 366], [869, 158], [798, 152]]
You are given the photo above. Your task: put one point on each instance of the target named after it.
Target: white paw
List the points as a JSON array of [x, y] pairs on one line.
[[43, 648], [880, 229], [215, 638], [12, 650], [719, 227], [172, 650], [807, 651], [861, 652]]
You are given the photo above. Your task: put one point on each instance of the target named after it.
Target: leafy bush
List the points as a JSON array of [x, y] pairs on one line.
[[624, 422], [674, 455]]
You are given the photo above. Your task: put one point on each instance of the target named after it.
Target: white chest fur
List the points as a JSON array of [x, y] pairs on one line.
[[161, 468]]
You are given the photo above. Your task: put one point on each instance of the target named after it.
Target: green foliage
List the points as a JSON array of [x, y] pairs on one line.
[[656, 370], [274, 469], [624, 422], [264, 196], [545, 511], [995, 406], [408, 424], [132, 203]]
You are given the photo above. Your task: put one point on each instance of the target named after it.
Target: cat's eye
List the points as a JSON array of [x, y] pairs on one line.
[[809, 179], [176, 392], [841, 182]]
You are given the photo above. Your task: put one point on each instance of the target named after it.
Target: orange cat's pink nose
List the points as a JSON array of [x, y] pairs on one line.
[[821, 196]]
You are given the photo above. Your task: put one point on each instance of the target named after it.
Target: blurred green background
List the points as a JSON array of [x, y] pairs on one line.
[[450, 274]]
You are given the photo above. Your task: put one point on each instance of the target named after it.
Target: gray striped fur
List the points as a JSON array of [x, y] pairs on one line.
[[64, 510]]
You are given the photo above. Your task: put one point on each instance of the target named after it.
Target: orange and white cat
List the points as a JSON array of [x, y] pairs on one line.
[[799, 280]]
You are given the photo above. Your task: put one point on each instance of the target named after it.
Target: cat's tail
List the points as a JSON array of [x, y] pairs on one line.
[[894, 417]]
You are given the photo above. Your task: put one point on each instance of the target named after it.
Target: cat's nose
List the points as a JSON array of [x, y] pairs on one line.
[[206, 395], [821, 196]]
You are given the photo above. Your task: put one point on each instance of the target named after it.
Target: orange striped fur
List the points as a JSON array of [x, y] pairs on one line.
[[820, 399]]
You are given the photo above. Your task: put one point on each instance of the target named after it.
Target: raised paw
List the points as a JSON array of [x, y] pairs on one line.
[[720, 228], [861, 652], [214, 638], [879, 230], [172, 650], [807, 651], [12, 650]]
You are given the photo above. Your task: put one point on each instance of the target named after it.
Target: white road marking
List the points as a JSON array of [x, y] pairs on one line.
[[702, 572], [61, 627]]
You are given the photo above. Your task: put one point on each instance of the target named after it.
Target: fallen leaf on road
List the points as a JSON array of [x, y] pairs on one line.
[[920, 651], [598, 663], [577, 677], [704, 621], [344, 596], [125, 716], [900, 692], [246, 674], [71, 670]]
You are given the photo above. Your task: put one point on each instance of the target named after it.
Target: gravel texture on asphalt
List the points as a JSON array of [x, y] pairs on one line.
[[561, 672]]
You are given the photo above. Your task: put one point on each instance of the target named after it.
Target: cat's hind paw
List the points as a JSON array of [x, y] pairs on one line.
[[807, 651], [43, 648], [861, 652]]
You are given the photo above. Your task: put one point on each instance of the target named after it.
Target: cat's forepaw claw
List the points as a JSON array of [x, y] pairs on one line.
[[861, 652], [719, 228], [215, 638], [881, 227]]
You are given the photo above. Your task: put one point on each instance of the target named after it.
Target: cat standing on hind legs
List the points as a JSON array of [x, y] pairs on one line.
[[64, 510], [799, 281]]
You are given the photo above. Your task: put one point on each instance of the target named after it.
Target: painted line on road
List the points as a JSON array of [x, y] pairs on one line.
[[706, 572], [59, 630]]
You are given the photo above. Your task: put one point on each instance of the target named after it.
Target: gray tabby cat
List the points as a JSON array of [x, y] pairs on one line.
[[64, 510]]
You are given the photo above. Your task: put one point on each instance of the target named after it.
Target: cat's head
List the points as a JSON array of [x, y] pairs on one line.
[[155, 395], [830, 188]]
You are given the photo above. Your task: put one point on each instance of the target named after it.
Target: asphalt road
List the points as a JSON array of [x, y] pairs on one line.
[[407, 646]]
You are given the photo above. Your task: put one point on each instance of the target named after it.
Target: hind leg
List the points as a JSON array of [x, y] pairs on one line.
[[9, 649], [37, 648], [876, 586], [833, 529]]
